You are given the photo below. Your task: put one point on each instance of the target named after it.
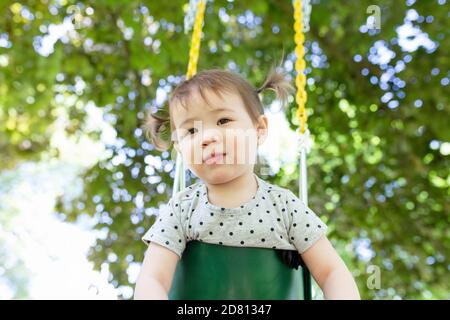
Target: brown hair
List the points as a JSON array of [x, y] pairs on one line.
[[159, 125]]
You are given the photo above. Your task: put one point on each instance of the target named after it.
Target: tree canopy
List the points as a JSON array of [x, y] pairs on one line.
[[378, 108]]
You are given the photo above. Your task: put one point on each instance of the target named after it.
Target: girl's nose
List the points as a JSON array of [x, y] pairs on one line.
[[210, 137]]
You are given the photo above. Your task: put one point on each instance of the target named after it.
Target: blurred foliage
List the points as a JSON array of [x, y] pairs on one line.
[[14, 274], [377, 99]]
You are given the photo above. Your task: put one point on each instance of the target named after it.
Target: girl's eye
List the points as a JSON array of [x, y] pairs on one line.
[[192, 130], [226, 120]]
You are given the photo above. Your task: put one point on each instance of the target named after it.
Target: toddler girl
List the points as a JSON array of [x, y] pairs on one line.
[[216, 122]]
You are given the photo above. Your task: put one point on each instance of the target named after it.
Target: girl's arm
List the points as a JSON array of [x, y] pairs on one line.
[[156, 275], [330, 271]]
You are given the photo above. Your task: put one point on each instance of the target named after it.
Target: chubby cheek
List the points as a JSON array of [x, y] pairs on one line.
[[191, 154], [241, 148], [236, 149]]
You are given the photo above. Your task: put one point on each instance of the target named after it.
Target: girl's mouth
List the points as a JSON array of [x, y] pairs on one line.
[[215, 159]]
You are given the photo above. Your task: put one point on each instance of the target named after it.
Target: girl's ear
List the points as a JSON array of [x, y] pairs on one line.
[[262, 129]]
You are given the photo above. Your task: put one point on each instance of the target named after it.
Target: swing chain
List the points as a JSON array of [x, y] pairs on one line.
[[196, 39], [300, 80]]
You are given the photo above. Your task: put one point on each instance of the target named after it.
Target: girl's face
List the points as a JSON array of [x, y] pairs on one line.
[[222, 128]]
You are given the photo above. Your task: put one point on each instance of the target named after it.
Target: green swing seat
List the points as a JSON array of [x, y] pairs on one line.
[[210, 271]]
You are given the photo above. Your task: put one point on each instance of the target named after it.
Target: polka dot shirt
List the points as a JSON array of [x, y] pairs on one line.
[[274, 218]]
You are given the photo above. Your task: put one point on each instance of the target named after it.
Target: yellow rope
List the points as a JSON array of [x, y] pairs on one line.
[[300, 80], [196, 39]]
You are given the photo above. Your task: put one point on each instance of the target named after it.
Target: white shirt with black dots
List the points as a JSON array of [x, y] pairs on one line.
[[274, 218]]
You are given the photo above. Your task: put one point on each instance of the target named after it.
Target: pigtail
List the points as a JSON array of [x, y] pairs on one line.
[[157, 129], [277, 82]]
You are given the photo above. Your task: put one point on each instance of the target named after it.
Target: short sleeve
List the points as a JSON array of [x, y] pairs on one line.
[[167, 230], [305, 227]]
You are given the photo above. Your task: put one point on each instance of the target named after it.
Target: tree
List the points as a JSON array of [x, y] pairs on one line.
[[377, 102]]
